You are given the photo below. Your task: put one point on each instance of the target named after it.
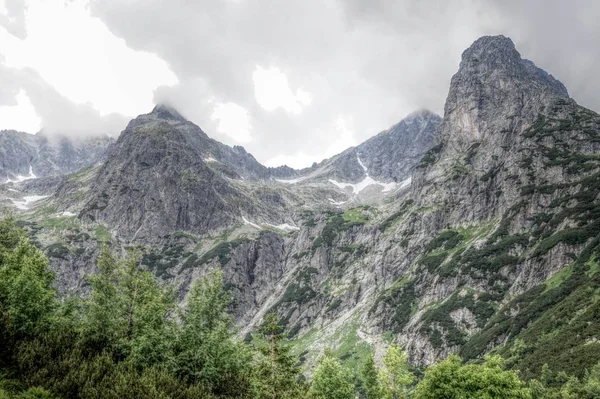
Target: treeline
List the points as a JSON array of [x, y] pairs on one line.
[[130, 339]]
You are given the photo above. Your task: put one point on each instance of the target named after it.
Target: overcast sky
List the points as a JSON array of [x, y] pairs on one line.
[[293, 81]]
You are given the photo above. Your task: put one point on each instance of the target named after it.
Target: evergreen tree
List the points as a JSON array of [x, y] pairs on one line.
[[128, 313], [331, 380], [205, 351], [27, 298], [276, 371], [370, 379]]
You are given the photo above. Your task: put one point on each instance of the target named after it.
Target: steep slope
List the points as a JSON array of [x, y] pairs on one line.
[[25, 156], [497, 240], [386, 159], [164, 175], [511, 197], [493, 247]]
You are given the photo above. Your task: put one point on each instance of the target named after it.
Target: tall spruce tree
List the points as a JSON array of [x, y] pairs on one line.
[[276, 371]]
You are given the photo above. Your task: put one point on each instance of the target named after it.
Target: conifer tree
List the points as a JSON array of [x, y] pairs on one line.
[[370, 379], [276, 371]]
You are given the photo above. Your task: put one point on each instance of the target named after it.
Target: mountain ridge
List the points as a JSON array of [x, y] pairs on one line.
[[494, 241]]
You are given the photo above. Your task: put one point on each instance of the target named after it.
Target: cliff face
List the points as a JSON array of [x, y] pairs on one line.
[[496, 239]]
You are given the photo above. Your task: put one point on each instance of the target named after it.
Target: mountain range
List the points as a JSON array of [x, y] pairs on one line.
[[473, 233]]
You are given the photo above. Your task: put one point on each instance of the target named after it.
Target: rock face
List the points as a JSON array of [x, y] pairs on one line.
[[24, 155], [496, 239], [390, 156], [156, 180]]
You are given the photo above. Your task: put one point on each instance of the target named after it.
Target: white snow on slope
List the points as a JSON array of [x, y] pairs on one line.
[[406, 183], [336, 203], [369, 181], [66, 214], [210, 159], [20, 178], [292, 181], [366, 182], [27, 200], [284, 226], [246, 221], [361, 164]]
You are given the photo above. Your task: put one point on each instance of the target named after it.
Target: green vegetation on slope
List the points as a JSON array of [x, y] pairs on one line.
[[129, 339]]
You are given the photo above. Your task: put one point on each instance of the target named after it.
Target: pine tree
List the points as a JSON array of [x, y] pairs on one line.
[[205, 351], [276, 373], [370, 379], [128, 312]]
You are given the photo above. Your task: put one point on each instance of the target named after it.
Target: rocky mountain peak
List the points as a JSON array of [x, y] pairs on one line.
[[163, 111], [494, 96], [495, 58]]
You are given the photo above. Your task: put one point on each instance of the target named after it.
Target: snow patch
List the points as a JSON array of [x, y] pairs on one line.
[[246, 221], [23, 204], [66, 214], [20, 178], [336, 203], [406, 183], [13, 190], [292, 181], [366, 182], [210, 159], [283, 226], [361, 164]]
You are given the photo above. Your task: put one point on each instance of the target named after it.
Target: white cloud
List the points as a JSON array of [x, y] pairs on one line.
[[21, 116], [78, 56], [272, 90], [233, 121], [342, 134]]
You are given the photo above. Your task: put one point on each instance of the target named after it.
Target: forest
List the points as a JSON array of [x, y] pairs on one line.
[[127, 337]]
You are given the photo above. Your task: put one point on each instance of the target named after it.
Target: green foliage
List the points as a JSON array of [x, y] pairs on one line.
[[275, 369], [437, 320], [337, 223], [370, 379], [451, 379], [26, 293], [331, 380], [128, 312], [447, 238], [401, 300], [395, 377], [431, 156], [393, 218], [204, 351], [432, 262], [221, 251]]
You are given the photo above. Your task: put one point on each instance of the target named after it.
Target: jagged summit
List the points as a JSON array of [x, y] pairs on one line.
[[163, 111], [421, 113], [495, 58]]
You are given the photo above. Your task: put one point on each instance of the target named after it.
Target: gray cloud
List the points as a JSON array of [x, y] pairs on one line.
[[14, 20], [372, 61], [59, 115], [357, 62]]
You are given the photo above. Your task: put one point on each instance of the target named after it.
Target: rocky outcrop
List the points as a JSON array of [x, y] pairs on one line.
[[26, 156]]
